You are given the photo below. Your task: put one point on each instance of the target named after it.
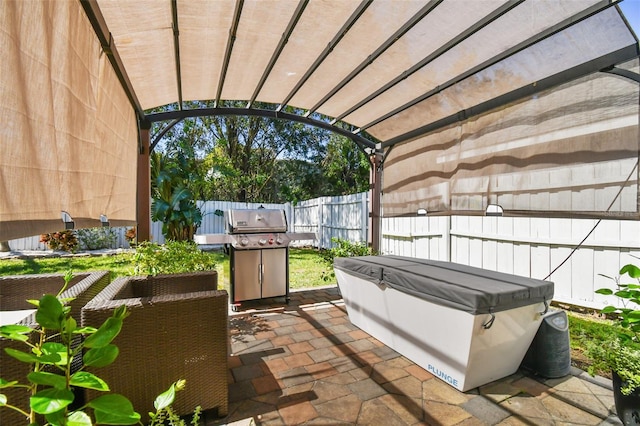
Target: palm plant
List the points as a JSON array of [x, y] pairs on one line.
[[173, 201]]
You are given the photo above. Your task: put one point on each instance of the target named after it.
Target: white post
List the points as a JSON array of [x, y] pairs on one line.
[[321, 222], [364, 208]]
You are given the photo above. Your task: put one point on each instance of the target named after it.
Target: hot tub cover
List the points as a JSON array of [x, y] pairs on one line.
[[462, 287]]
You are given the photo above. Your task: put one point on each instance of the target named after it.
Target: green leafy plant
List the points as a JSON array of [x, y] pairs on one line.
[[622, 358], [130, 235], [342, 248], [164, 412], [621, 353], [96, 238], [173, 201], [171, 258], [61, 240]]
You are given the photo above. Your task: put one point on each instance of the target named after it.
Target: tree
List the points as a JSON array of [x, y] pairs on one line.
[[246, 152], [345, 167], [299, 180], [258, 159]]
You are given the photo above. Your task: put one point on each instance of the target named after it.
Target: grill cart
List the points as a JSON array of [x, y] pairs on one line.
[[259, 253]]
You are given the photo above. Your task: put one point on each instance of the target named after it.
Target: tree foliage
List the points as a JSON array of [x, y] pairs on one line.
[[345, 167], [258, 159]]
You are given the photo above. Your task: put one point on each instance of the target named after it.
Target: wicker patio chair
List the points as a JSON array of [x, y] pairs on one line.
[[177, 329], [15, 290]]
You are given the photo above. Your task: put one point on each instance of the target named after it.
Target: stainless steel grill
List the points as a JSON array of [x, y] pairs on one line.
[[259, 253]]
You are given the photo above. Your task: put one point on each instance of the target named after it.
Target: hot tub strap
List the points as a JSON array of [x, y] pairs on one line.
[[487, 325], [546, 308]]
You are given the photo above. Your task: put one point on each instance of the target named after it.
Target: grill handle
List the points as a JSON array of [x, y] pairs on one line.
[[260, 272]]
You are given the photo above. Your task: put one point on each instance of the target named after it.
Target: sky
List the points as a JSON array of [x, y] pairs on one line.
[[631, 10]]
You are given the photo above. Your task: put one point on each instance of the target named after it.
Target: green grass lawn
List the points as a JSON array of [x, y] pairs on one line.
[[585, 330], [306, 268], [121, 264]]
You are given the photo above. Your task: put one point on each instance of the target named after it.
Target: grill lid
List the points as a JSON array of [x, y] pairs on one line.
[[249, 221]]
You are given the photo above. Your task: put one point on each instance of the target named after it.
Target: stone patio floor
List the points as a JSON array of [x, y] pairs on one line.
[[304, 363]]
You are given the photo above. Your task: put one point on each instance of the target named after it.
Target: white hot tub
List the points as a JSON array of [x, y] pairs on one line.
[[467, 326]]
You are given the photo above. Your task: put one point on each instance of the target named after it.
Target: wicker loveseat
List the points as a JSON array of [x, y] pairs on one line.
[[14, 292], [177, 329]]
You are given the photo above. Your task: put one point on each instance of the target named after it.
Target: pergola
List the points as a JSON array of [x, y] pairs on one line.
[[532, 105]]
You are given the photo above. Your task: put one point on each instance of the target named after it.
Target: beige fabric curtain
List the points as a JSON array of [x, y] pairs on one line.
[[571, 151], [68, 138]]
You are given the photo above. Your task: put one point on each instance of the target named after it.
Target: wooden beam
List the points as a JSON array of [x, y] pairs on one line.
[[375, 200], [143, 212]]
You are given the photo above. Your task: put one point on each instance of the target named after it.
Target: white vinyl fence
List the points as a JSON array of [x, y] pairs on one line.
[[345, 217], [532, 247], [342, 217]]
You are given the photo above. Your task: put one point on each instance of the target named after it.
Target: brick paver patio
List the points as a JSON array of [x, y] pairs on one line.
[[304, 363]]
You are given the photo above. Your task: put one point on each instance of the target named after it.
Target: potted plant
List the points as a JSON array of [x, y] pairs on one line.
[[621, 353]]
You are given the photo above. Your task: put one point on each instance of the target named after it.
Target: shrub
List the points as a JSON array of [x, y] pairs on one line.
[[614, 355], [343, 248], [96, 238], [61, 240], [621, 351], [172, 258], [130, 234]]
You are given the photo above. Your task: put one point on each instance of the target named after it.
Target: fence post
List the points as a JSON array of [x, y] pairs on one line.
[[375, 190], [143, 196], [364, 208], [446, 235], [321, 222], [290, 212]]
